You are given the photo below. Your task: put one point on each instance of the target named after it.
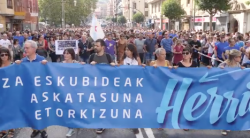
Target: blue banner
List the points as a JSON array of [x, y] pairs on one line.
[[101, 96]]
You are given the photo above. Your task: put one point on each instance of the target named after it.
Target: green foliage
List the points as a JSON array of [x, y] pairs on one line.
[[172, 9], [248, 2], [114, 20], [138, 17], [122, 19], [51, 10], [213, 6]]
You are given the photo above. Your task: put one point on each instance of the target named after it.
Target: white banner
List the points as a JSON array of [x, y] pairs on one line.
[[61, 45]]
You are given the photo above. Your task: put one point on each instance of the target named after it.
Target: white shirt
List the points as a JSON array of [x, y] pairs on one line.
[[5, 43], [129, 61]]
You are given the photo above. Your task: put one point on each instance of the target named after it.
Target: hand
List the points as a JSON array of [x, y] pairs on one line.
[[209, 67], [18, 62], [175, 67], [170, 67], [155, 66], [112, 64], [93, 63], [242, 67], [83, 63], [222, 67], [153, 53], [143, 65], [44, 62]]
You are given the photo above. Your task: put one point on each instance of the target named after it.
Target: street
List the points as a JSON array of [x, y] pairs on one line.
[[60, 132]]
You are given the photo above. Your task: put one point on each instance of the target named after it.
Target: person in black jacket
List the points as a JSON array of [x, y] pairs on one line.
[[85, 48]]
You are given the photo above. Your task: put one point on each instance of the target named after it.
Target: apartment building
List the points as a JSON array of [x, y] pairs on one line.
[[110, 10], [132, 7], [18, 14], [6, 14]]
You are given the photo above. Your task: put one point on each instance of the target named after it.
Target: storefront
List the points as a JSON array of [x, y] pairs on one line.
[[202, 23], [157, 24]]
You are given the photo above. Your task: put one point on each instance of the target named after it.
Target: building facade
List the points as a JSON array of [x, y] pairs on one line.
[[19, 14], [6, 14], [132, 7], [110, 10]]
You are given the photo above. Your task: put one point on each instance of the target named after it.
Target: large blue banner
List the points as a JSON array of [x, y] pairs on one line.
[[101, 96]]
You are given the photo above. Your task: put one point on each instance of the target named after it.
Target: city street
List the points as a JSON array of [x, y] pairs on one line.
[[60, 132]]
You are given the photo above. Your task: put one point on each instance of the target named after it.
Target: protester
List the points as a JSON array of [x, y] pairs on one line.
[[161, 58], [17, 50], [167, 43], [187, 60], [85, 48], [69, 57], [41, 47], [5, 60], [30, 48], [150, 45], [100, 57], [233, 60], [110, 46], [52, 50], [196, 46], [121, 44], [177, 51], [131, 56], [139, 43]]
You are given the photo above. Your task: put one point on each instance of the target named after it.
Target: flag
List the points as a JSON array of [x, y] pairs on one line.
[[96, 31]]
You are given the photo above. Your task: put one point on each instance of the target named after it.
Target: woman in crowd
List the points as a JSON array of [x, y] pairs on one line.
[[177, 51], [187, 59], [51, 46], [161, 58], [121, 44], [5, 60], [17, 50], [69, 57], [209, 49], [41, 47], [131, 56], [233, 60]]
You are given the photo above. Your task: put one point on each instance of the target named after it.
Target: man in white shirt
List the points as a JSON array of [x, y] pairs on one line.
[[5, 42]]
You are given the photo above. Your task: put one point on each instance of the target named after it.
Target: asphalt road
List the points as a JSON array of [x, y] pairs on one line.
[[60, 132]]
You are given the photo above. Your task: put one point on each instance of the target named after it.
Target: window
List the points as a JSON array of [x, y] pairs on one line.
[[159, 8], [9, 4], [146, 5], [146, 13], [188, 3]]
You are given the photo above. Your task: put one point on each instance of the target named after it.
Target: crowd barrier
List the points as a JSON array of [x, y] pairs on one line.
[[101, 96]]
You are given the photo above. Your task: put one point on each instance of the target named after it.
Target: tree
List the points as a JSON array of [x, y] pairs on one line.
[[172, 10], [122, 19], [114, 20], [248, 2], [213, 7], [51, 10], [138, 17]]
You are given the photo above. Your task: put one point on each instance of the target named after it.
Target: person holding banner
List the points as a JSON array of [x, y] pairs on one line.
[[161, 58], [30, 48], [69, 57], [5, 60], [233, 60], [100, 57]]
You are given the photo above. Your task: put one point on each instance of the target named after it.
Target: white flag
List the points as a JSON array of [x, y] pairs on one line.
[[96, 31]]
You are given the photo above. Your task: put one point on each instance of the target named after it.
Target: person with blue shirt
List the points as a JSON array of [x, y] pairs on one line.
[[150, 45], [232, 45], [30, 48], [167, 44], [219, 48]]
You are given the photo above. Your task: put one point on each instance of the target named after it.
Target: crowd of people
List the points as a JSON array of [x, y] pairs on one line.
[[155, 48]]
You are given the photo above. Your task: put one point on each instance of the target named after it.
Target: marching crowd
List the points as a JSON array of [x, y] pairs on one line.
[[127, 47]]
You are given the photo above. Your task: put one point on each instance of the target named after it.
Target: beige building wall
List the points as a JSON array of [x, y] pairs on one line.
[[5, 13], [140, 6]]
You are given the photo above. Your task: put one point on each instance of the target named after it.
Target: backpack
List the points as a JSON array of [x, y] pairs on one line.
[[91, 58]]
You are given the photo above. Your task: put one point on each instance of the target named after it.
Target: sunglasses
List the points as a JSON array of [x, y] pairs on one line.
[[185, 53], [2, 55]]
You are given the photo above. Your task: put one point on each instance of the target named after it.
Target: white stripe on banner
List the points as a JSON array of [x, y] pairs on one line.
[[140, 134], [149, 132]]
